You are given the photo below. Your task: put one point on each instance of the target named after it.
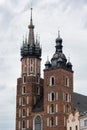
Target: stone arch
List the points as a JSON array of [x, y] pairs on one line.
[[37, 122]]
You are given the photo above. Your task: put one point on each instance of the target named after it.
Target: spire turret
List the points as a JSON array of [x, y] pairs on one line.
[[30, 47]]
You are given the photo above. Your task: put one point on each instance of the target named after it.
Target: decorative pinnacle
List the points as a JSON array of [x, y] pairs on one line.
[[23, 39], [31, 12], [31, 21], [58, 33], [26, 38], [69, 59], [47, 58]]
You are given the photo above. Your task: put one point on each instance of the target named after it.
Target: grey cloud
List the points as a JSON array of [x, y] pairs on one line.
[[2, 87], [6, 16]]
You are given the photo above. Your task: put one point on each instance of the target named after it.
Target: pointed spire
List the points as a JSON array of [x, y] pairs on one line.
[[23, 39], [26, 39], [31, 40], [47, 58], [58, 33]]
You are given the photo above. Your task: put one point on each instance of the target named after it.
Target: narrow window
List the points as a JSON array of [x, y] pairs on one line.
[[23, 124], [38, 90], [52, 122], [52, 108], [70, 128], [24, 79], [31, 61], [38, 123], [76, 127], [52, 96], [67, 81], [23, 112], [67, 97], [31, 69], [23, 101], [67, 108], [52, 81], [37, 79], [23, 90]]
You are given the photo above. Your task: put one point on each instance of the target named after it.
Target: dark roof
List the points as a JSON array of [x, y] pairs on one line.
[[80, 102], [39, 106]]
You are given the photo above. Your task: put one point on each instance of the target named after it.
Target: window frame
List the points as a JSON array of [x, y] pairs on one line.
[[67, 81], [52, 81]]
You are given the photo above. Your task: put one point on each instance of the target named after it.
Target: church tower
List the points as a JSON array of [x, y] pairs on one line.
[[58, 89], [43, 104], [30, 84]]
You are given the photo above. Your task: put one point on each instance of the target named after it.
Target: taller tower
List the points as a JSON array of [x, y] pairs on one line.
[[58, 89], [29, 85]]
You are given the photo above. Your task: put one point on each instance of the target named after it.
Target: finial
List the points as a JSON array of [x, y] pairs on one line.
[[31, 12], [69, 59], [23, 39], [26, 38], [58, 33], [31, 20], [36, 38], [47, 58]]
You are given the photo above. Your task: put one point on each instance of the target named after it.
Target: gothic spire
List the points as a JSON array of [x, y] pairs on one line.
[[31, 40]]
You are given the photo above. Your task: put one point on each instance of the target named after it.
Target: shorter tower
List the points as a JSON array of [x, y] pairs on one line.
[[58, 89], [30, 84]]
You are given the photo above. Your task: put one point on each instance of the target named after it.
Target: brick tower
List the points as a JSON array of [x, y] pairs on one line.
[[43, 104], [58, 89], [29, 85]]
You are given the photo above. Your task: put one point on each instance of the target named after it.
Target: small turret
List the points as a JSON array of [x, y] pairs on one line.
[[47, 64]]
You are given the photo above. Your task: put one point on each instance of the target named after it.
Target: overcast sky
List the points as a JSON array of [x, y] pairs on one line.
[[69, 16]]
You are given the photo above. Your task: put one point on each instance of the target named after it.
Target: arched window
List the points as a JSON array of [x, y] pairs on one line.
[[23, 100], [67, 108], [52, 108], [23, 112], [23, 90], [52, 81], [52, 96], [38, 123], [23, 124], [67, 81], [51, 122], [24, 79]]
